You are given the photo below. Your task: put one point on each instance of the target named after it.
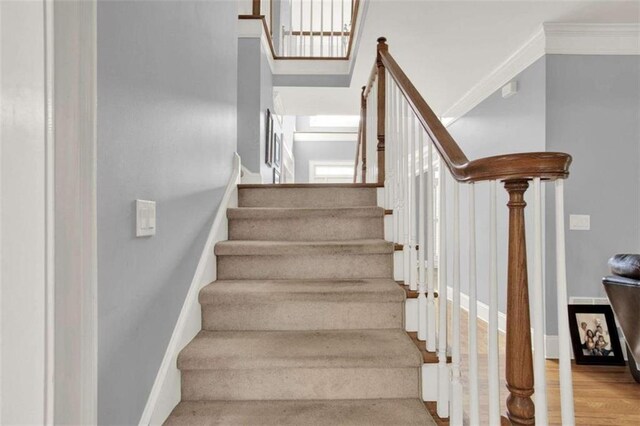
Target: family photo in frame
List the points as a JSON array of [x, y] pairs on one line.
[[594, 335]]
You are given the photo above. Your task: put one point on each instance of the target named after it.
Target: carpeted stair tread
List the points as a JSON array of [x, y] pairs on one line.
[[301, 412], [302, 212], [247, 291], [293, 248], [216, 350], [307, 196]]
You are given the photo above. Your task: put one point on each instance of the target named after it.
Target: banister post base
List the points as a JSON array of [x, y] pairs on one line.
[[519, 359]]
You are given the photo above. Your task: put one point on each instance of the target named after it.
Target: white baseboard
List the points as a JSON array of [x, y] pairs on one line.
[[247, 176], [429, 373], [398, 265], [380, 197], [165, 393], [411, 315], [483, 310]]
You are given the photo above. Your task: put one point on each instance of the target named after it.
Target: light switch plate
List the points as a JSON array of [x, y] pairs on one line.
[[579, 222], [145, 218]]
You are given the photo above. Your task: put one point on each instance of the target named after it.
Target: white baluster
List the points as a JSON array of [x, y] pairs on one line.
[[456, 385], [422, 284], [566, 383], [493, 349], [396, 165], [406, 177], [341, 27], [388, 142], [474, 407], [539, 373], [290, 40], [331, 29], [431, 303], [321, 27], [443, 371], [374, 131], [301, 36], [311, 28], [401, 182], [370, 136], [413, 220]]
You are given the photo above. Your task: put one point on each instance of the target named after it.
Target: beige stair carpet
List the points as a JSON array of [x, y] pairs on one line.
[[305, 323]]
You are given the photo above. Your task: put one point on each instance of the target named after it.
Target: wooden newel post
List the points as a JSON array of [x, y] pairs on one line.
[[255, 9], [363, 139], [382, 47], [519, 362]]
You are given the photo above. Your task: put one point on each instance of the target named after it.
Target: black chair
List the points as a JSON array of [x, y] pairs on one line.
[[623, 290]]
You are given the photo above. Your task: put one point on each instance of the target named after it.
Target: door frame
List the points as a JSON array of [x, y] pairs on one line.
[[48, 283]]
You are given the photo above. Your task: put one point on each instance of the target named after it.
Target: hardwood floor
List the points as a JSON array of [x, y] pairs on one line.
[[603, 395]]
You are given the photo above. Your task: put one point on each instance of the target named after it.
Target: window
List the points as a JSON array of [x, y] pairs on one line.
[[334, 121], [331, 171]]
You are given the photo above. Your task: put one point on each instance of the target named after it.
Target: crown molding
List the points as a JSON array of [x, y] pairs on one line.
[[592, 39], [550, 38]]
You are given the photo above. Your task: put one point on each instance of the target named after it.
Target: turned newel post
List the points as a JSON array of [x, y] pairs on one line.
[[519, 363], [363, 136], [382, 47]]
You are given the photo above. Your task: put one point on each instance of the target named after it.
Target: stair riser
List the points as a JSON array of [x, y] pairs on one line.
[[302, 316], [330, 266], [300, 383], [306, 229], [307, 197]]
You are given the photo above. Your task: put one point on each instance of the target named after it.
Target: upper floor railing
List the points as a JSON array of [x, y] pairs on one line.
[[403, 146], [307, 29]]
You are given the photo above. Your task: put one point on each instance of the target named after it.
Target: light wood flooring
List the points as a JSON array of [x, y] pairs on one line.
[[603, 395]]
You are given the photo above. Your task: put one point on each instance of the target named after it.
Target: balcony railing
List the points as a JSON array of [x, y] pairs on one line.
[[308, 29]]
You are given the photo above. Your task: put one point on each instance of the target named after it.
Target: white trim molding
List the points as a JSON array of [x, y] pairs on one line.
[[550, 38], [483, 310], [247, 176], [165, 393], [592, 39], [325, 137]]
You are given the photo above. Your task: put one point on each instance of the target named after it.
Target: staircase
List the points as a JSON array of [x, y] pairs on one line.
[[305, 324]]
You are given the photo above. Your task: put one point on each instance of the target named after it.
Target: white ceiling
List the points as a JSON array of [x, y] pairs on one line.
[[446, 47]]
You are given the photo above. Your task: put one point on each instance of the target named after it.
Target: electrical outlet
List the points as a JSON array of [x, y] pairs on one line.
[[145, 218]]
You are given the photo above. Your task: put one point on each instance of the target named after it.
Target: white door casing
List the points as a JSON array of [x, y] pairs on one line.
[[48, 336]]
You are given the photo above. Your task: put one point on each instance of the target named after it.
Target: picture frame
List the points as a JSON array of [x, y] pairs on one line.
[[277, 150], [594, 335], [268, 138], [276, 175]]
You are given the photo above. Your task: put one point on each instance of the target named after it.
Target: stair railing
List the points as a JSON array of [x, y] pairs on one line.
[[307, 29], [424, 173]]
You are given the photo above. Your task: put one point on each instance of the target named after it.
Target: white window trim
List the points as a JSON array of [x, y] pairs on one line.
[[314, 163]]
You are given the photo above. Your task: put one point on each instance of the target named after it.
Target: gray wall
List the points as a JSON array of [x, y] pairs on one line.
[[589, 107], [593, 113], [167, 103], [498, 126], [304, 152], [249, 121], [255, 95]]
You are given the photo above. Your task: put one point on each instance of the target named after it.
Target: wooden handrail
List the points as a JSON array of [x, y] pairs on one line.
[[515, 171], [545, 165]]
